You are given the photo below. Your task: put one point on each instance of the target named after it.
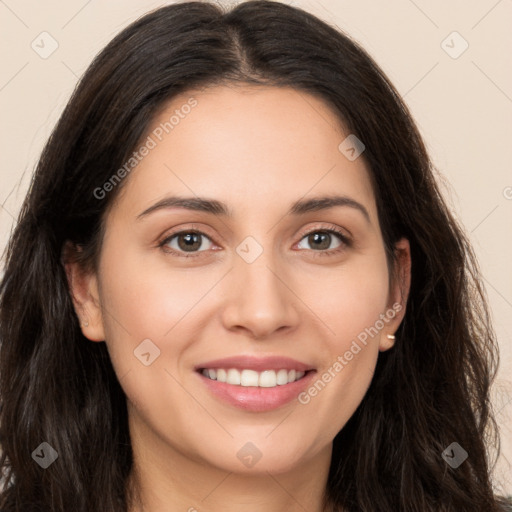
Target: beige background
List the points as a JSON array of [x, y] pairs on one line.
[[463, 107]]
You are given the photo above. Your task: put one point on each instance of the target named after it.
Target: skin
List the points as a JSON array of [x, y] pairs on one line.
[[258, 150]]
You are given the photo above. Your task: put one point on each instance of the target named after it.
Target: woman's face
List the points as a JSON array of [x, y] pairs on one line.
[[260, 293]]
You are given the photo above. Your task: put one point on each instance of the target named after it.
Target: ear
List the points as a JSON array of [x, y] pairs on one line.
[[83, 287], [398, 293]]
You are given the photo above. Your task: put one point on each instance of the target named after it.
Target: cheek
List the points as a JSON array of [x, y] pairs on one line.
[[146, 297], [350, 303], [140, 302], [349, 299], [146, 310]]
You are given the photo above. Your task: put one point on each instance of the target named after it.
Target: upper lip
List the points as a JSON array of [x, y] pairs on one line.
[[258, 364]]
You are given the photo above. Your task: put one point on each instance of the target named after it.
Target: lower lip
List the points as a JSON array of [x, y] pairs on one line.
[[256, 399]]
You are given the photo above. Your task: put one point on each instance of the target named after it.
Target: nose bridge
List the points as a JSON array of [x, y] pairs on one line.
[[256, 267], [258, 270], [260, 301]]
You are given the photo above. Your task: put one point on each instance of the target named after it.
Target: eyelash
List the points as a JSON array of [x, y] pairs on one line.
[[345, 242]]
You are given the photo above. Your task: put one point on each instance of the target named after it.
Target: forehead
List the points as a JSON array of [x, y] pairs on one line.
[[254, 148]]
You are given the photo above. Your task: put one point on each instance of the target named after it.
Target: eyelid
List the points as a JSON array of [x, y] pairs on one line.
[[345, 239], [343, 233], [189, 228]]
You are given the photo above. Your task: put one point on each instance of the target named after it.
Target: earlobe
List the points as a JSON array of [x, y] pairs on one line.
[[399, 293], [83, 288], [387, 341]]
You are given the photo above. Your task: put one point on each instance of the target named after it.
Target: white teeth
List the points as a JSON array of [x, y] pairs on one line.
[[264, 379], [249, 378], [282, 377], [233, 377], [268, 379]]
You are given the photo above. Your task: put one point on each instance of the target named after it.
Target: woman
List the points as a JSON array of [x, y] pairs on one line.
[[234, 285]]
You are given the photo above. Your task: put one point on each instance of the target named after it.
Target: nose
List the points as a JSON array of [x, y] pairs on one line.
[[259, 299]]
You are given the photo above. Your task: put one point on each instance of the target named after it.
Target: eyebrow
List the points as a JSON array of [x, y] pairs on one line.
[[214, 207]]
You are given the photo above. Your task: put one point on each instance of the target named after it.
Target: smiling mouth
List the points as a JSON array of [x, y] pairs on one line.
[[252, 378]]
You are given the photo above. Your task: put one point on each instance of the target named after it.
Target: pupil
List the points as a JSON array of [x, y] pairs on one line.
[[320, 237], [189, 240]]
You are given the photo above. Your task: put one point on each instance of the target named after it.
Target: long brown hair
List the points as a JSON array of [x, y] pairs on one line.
[[430, 390]]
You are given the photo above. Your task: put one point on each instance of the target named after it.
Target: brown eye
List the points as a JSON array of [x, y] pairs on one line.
[[320, 240], [186, 241]]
